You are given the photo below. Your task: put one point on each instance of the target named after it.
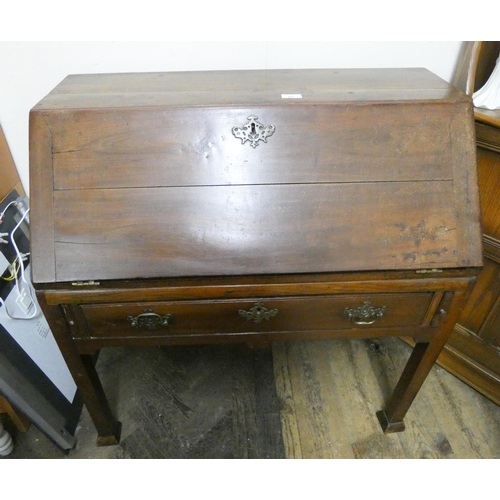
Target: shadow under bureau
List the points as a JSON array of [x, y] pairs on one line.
[[252, 206]]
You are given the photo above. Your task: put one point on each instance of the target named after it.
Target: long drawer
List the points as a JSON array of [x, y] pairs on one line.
[[340, 312]]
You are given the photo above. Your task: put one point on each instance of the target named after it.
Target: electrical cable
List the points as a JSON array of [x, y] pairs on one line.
[[5, 209], [22, 276], [13, 270]]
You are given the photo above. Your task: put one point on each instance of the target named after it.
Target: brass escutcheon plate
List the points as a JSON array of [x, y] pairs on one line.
[[253, 131], [365, 314], [258, 312], [149, 320]]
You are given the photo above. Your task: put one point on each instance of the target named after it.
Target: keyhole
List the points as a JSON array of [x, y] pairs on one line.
[[253, 128]]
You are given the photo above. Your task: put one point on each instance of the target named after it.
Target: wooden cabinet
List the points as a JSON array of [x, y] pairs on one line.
[[254, 206], [473, 350]]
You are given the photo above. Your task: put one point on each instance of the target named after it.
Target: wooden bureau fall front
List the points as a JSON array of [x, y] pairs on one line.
[[252, 206]]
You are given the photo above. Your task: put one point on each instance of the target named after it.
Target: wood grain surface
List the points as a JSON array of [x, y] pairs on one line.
[[235, 230], [247, 87], [330, 391], [196, 147], [180, 403], [368, 170], [205, 402]]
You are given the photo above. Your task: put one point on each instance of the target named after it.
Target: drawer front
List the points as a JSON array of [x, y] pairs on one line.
[[265, 315], [197, 147]]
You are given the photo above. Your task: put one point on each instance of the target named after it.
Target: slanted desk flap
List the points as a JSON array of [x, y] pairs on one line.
[[367, 171]]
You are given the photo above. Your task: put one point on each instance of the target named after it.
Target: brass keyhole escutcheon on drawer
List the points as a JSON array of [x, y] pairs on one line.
[[258, 312], [149, 320], [365, 314], [253, 131]]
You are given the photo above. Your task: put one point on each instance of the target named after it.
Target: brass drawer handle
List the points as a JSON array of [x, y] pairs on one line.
[[149, 320], [253, 131], [258, 312], [365, 314]]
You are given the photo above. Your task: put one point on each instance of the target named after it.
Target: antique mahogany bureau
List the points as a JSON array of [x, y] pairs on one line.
[[252, 206]]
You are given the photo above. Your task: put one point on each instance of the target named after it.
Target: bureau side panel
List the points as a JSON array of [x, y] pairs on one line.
[[241, 230], [465, 180], [41, 200]]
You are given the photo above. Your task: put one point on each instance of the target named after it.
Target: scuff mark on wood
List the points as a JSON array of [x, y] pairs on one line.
[[420, 232], [412, 256]]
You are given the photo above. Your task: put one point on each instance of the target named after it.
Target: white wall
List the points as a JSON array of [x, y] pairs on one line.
[[29, 70]]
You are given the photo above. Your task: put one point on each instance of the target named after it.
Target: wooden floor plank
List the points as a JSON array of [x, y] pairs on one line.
[[363, 399], [181, 402], [423, 437], [448, 419], [319, 415], [311, 399], [284, 390]]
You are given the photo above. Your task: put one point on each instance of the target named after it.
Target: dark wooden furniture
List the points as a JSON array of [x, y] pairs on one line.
[[473, 350], [199, 207]]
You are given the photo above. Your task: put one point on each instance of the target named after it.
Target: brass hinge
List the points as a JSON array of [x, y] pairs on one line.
[[86, 283], [426, 271]]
